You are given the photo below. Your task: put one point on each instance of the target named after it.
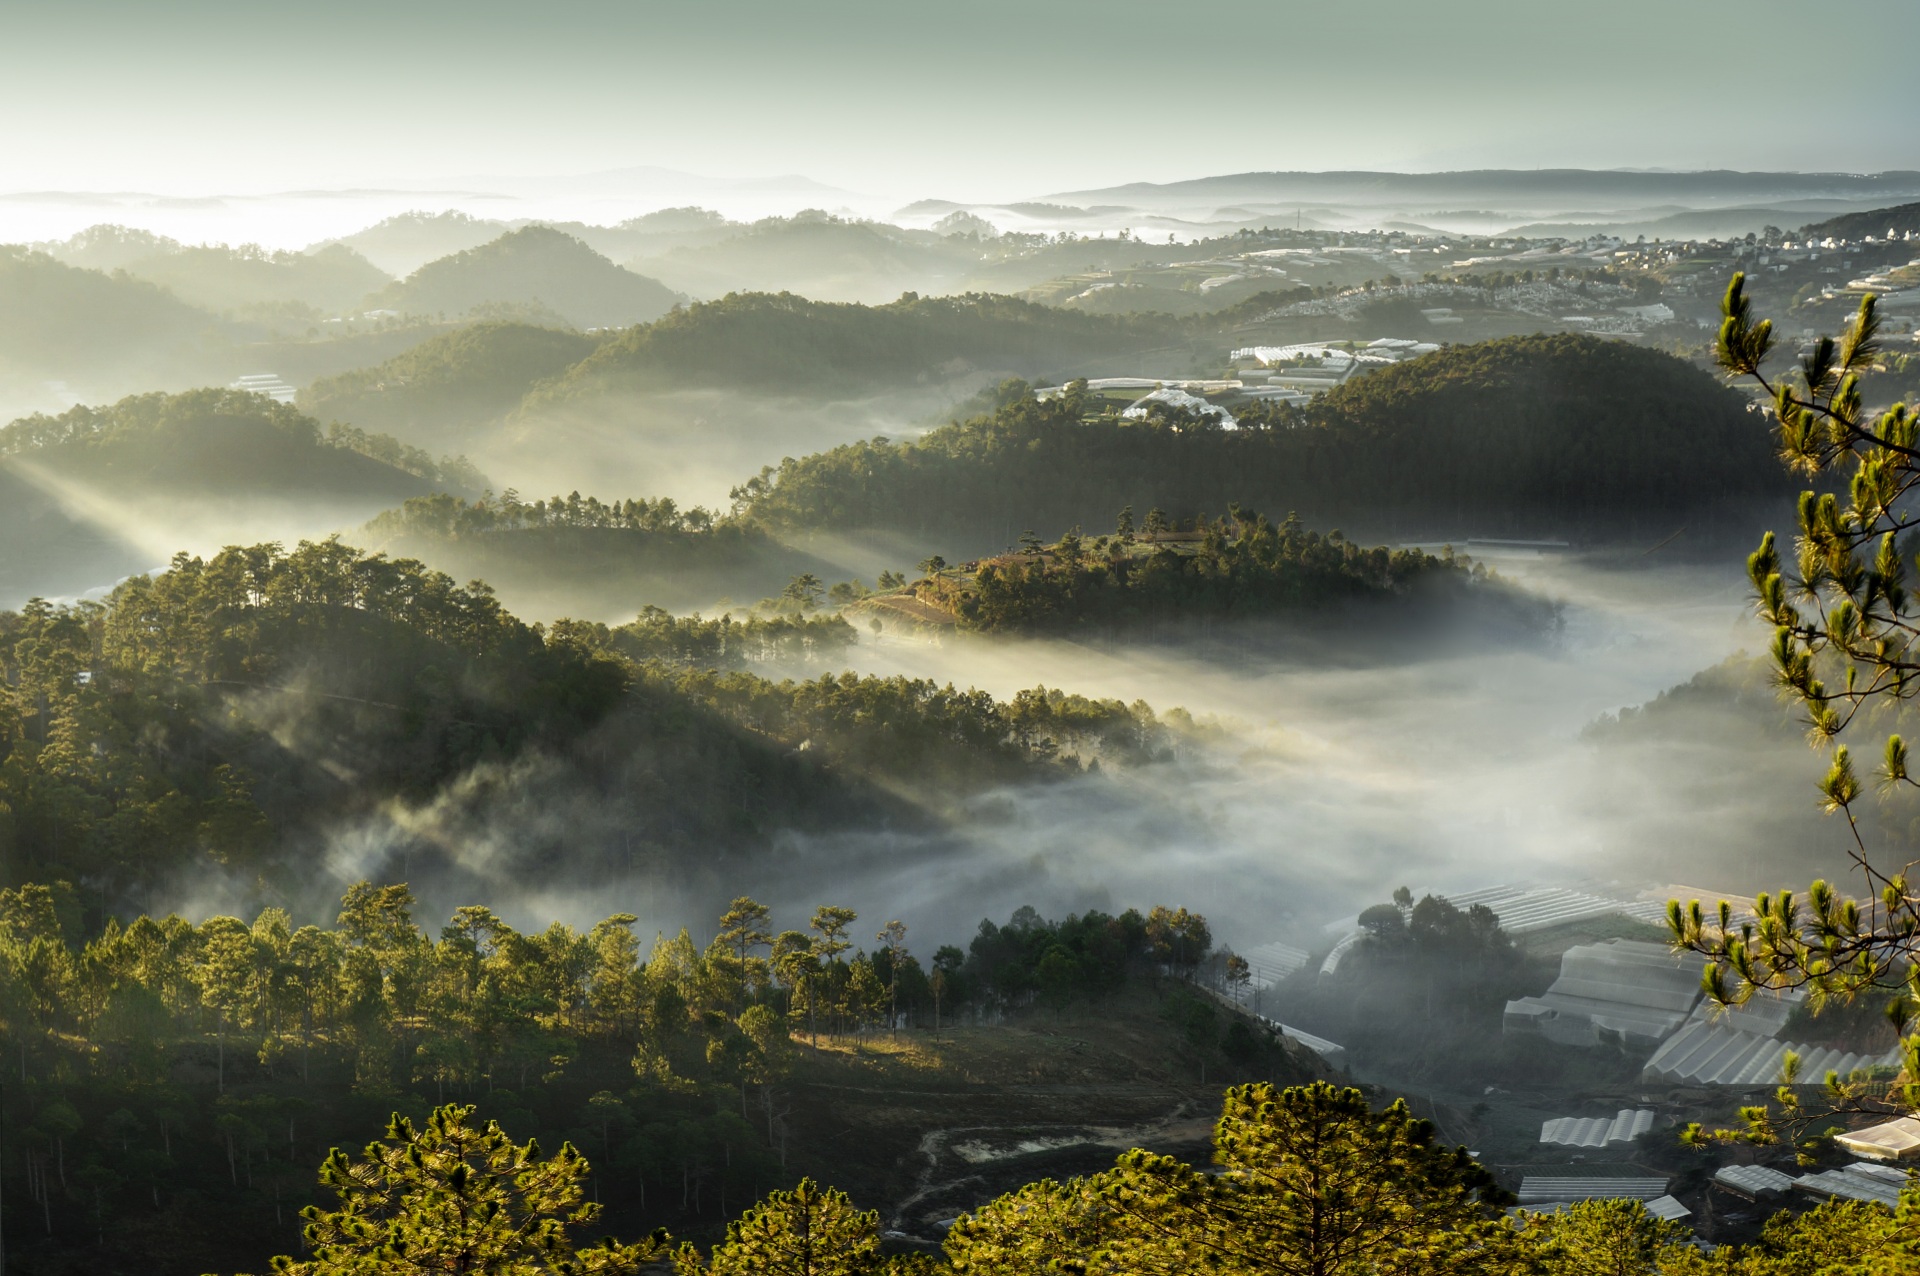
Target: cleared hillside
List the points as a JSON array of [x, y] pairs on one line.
[[535, 266]]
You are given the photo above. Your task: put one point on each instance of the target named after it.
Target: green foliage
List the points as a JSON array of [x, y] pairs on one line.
[[1845, 645], [809, 1231], [1607, 1238], [57, 320], [202, 717], [450, 518], [450, 1198], [1086, 956], [1037, 1230], [719, 642], [1238, 566], [1422, 992], [1525, 433], [449, 382], [214, 438], [538, 265], [781, 342], [248, 279], [1312, 1182]]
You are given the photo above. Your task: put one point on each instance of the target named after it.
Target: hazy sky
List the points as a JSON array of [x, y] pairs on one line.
[[985, 100]]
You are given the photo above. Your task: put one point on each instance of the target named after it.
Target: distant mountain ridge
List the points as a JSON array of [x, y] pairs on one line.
[[1579, 184]]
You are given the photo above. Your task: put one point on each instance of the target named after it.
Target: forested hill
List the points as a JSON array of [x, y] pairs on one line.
[[535, 266], [1526, 436], [262, 710], [99, 493], [574, 555], [225, 443], [58, 320], [1237, 567], [449, 382], [1902, 219], [775, 343], [331, 278]]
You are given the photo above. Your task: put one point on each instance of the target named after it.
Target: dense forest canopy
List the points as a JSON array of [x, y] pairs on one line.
[[449, 382], [775, 343], [228, 441], [1521, 436], [62, 321], [329, 279], [181, 1078], [1239, 566], [232, 714], [534, 265], [557, 555]]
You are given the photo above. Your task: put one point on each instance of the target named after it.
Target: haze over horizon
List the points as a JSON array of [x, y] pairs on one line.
[[139, 98]]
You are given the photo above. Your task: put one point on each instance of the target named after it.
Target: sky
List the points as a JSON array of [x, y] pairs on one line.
[[986, 100]]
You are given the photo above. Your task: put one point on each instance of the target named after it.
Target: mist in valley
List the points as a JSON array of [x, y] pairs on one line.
[[531, 485], [1325, 767]]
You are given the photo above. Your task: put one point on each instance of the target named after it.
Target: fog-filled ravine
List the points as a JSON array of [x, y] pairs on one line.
[[775, 639], [1332, 766]]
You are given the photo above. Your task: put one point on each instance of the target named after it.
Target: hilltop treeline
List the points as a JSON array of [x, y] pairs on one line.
[[236, 713], [1525, 435], [241, 442], [1241, 565], [565, 553], [780, 343], [456, 379], [448, 516], [534, 266], [177, 1081]]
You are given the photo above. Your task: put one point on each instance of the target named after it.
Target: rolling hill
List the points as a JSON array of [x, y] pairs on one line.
[[450, 382], [1525, 436], [96, 493], [1903, 219], [583, 559], [534, 266], [62, 321], [331, 279], [402, 244], [821, 257], [783, 343]]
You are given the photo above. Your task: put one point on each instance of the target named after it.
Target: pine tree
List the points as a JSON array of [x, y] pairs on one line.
[[810, 1231], [450, 1198], [1313, 1183]]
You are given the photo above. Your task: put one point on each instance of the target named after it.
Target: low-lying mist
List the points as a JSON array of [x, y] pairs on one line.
[[695, 444], [1326, 767]]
